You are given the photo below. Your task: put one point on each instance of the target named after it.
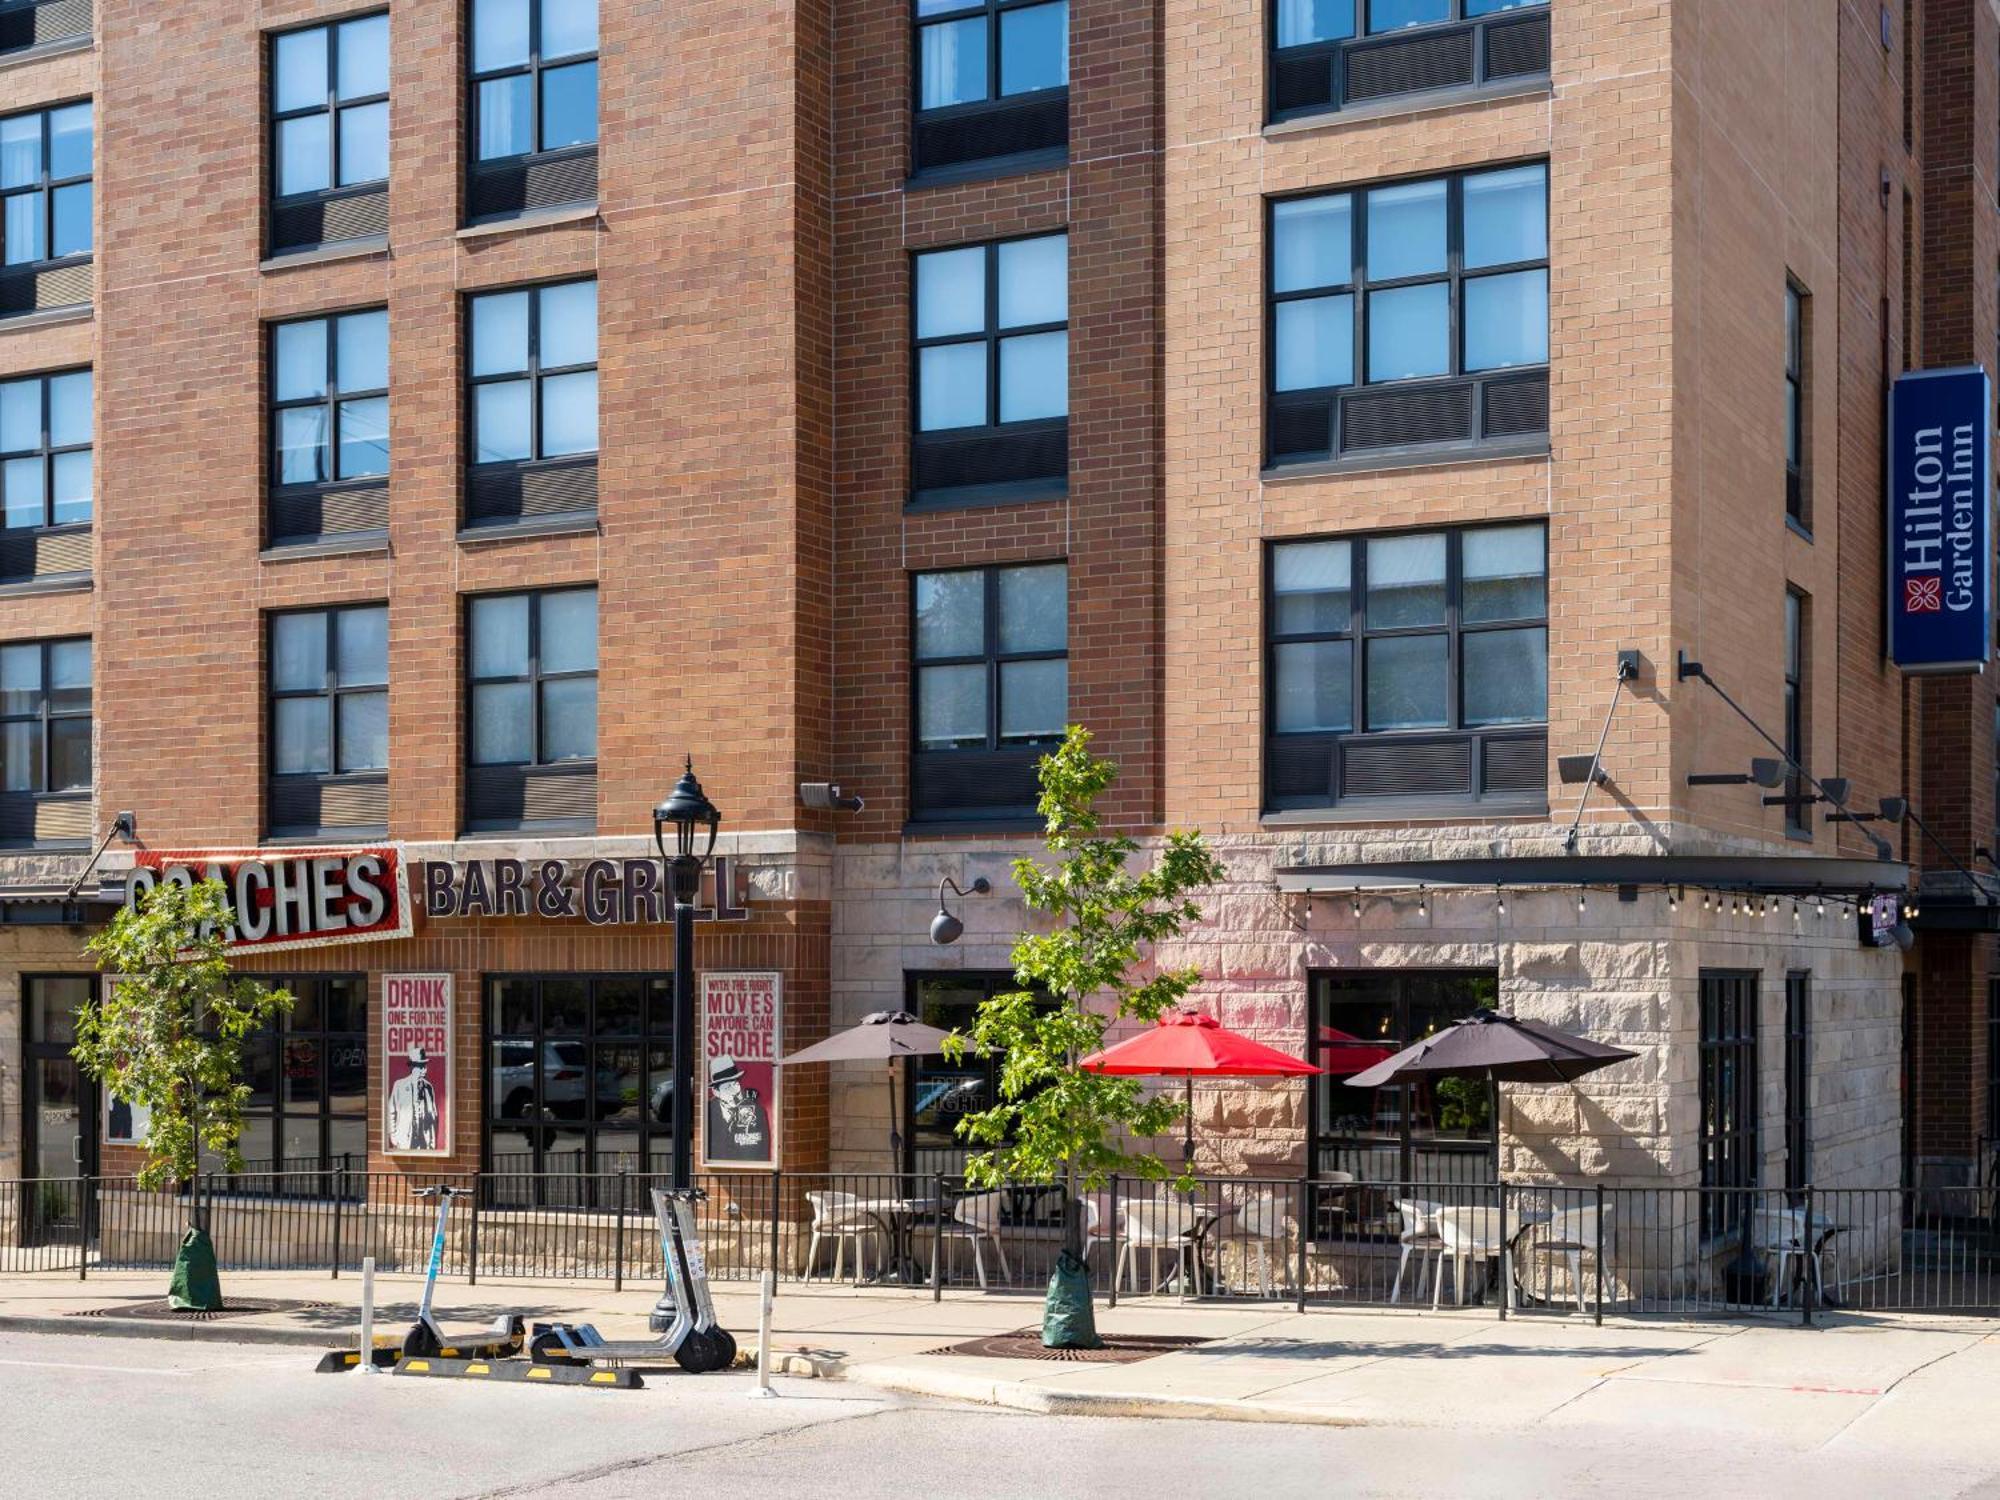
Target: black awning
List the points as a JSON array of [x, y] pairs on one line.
[[1775, 875]]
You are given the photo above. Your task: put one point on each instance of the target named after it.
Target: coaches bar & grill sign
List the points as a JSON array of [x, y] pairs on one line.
[[306, 898]]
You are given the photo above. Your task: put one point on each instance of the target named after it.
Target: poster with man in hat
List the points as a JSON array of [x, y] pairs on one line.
[[416, 1057], [739, 1055]]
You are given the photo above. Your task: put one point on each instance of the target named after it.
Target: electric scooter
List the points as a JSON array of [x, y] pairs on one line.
[[425, 1338], [695, 1341]]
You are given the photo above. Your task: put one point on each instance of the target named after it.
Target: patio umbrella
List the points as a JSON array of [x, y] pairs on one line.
[[883, 1036], [1342, 1052], [1500, 1049], [1189, 1046]]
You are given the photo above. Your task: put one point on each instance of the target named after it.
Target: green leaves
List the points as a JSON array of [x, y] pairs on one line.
[[169, 1031], [1052, 1117]]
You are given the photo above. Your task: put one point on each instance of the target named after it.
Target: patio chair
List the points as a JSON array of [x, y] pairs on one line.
[[838, 1217], [1419, 1238], [976, 1218], [1472, 1234], [1784, 1236], [1261, 1223], [1571, 1234], [1096, 1213], [1155, 1226]]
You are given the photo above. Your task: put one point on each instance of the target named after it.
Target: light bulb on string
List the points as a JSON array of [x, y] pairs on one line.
[[1423, 903], [1795, 911], [1673, 901], [1499, 901], [1819, 908], [1582, 903], [1354, 904]]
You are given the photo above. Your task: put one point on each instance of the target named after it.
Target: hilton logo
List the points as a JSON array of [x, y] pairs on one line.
[[1923, 596]]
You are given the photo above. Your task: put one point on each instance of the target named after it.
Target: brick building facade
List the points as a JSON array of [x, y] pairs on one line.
[[1313, 403]]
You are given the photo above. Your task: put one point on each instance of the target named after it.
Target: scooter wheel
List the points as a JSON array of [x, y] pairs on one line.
[[698, 1353], [420, 1343], [547, 1349], [728, 1347]]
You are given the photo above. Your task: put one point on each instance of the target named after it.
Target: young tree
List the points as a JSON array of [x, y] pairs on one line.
[[1053, 1119], [168, 1037]]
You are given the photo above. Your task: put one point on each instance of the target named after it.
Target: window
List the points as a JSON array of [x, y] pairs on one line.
[[45, 450], [1798, 791], [25, 24], [45, 209], [329, 675], [308, 1104], [938, 1093], [1992, 1066], [992, 80], [579, 1082], [1428, 1132], [991, 689], [1798, 1079], [1444, 279], [330, 132], [1796, 421], [1728, 1098], [45, 750], [1333, 54], [532, 719], [533, 400], [329, 425], [534, 105], [992, 358], [1435, 641]]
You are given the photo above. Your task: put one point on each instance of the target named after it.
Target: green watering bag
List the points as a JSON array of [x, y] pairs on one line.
[[195, 1287], [1067, 1319]]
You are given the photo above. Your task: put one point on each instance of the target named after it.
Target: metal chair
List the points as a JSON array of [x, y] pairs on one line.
[[1155, 1226], [838, 1217], [976, 1218], [1419, 1238]]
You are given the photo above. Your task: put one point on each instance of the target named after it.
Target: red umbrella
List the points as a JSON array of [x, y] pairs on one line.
[[1194, 1046], [1342, 1052]]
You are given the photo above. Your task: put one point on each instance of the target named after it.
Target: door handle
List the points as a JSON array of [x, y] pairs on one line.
[[76, 1148]]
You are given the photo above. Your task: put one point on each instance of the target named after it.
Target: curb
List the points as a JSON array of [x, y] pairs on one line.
[[219, 1330], [1021, 1395]]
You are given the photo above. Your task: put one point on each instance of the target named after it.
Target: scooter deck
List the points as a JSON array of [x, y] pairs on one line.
[[582, 1341]]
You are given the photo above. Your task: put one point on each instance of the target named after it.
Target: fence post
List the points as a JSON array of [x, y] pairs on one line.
[[1305, 1234], [472, 1248], [86, 1216], [618, 1263], [339, 1197], [1506, 1262], [1811, 1262], [777, 1207], [1111, 1245], [937, 1234], [1598, 1255]]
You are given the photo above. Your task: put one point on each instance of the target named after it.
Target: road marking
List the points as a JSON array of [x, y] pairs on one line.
[[64, 1364]]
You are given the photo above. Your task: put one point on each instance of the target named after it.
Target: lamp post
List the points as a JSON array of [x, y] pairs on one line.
[[694, 821]]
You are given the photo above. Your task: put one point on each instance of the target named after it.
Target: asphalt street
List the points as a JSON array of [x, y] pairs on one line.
[[83, 1416]]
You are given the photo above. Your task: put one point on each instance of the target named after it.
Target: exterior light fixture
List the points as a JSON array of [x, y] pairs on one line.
[[1423, 903], [1499, 901], [946, 928]]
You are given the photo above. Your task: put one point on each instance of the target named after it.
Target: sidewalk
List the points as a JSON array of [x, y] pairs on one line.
[[1922, 1379]]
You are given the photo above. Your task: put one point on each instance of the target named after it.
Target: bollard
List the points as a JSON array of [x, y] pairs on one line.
[[769, 1291], [367, 1365]]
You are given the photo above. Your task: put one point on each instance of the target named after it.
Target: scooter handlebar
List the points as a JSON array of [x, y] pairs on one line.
[[441, 1189]]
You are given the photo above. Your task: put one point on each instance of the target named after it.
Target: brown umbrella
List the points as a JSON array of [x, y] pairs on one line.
[[1500, 1049], [883, 1036]]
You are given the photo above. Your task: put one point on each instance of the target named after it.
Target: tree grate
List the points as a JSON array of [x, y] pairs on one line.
[[1026, 1343], [159, 1310]]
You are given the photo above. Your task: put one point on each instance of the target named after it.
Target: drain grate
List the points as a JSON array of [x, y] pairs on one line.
[[1026, 1343], [159, 1310]]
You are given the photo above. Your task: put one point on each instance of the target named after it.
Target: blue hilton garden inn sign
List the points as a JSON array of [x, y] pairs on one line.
[[1940, 527]]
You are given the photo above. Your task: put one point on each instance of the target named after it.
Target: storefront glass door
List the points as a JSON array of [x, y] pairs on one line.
[[59, 1106]]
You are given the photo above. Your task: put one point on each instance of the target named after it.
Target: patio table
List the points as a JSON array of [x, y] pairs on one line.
[[1473, 1232], [899, 1218]]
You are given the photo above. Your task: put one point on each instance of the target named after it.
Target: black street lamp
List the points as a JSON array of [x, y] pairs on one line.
[[694, 820]]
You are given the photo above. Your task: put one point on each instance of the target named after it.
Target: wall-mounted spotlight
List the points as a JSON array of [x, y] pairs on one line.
[[947, 929], [825, 796]]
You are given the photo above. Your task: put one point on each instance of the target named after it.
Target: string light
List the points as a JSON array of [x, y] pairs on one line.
[[1354, 902], [1499, 901], [1581, 903], [1673, 902], [1704, 901], [1795, 911], [1423, 903], [1820, 907]]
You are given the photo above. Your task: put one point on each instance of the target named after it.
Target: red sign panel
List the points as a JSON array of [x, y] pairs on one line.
[[416, 1064], [291, 898]]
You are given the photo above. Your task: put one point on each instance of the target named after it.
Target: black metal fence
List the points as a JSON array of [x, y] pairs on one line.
[[1521, 1248]]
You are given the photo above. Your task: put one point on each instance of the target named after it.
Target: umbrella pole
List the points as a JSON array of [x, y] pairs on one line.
[[895, 1135], [1187, 1142], [1493, 1110]]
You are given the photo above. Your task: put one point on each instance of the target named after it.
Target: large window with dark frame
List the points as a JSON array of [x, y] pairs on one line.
[[1409, 316], [1798, 1079], [308, 1107], [533, 104], [1410, 667], [329, 426], [28, 24], [532, 403], [991, 687], [45, 750], [1796, 343], [46, 479], [1339, 54], [46, 218], [992, 83], [329, 763], [579, 1085], [1798, 791], [532, 710], [992, 370], [939, 1092], [330, 132], [1728, 1065], [1427, 1132]]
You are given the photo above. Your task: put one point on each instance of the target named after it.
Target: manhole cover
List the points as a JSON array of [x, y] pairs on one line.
[[161, 1311], [1026, 1343]]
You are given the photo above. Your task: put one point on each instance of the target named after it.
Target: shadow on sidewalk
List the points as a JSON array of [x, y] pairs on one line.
[[1268, 1348]]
